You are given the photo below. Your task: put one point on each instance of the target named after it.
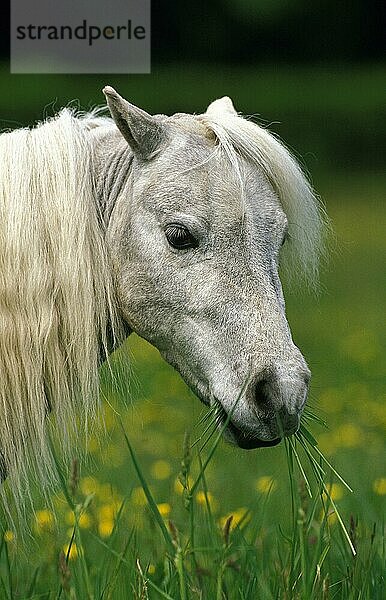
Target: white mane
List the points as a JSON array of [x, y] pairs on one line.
[[56, 298], [305, 214]]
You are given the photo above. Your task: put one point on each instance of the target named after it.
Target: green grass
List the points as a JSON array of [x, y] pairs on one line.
[[198, 555], [144, 519]]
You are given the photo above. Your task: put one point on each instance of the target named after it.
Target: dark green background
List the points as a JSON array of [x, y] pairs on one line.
[[314, 70]]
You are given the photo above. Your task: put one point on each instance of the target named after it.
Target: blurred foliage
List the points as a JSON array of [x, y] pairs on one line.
[[333, 118], [314, 72]]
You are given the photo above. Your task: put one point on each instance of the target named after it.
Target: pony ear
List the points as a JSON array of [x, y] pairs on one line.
[[143, 132], [222, 105]]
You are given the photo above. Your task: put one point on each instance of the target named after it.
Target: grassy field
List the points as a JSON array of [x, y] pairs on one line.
[[133, 523]]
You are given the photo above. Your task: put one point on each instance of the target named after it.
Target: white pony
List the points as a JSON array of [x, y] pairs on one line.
[[172, 227]]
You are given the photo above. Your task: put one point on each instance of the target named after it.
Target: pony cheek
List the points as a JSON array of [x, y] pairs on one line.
[[144, 316]]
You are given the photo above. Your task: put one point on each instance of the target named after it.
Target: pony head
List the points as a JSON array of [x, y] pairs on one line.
[[196, 234]]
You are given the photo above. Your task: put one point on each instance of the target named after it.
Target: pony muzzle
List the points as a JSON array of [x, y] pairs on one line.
[[266, 413]]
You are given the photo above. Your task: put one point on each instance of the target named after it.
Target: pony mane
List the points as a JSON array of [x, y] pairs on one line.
[[56, 298], [307, 222]]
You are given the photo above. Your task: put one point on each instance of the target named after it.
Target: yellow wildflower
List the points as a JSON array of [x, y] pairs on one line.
[[200, 499], [107, 512], [265, 484], [44, 519], [179, 488], [88, 485], [379, 486], [160, 469], [335, 491], [84, 519], [70, 518], [105, 527], [151, 569], [164, 508], [238, 516], [348, 436], [72, 552], [331, 516], [9, 536]]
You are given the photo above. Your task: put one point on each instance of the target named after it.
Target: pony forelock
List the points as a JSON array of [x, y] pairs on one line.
[[307, 221], [56, 298]]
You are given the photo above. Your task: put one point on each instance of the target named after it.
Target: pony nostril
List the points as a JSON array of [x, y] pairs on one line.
[[261, 393]]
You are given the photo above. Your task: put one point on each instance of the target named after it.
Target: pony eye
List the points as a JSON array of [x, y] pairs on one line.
[[179, 237]]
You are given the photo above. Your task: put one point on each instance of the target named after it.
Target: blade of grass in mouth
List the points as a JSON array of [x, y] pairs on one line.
[[310, 447]]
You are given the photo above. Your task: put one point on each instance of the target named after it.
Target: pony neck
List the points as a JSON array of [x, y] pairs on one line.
[[112, 165], [113, 159]]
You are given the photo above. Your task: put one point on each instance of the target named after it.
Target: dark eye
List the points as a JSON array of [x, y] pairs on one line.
[[179, 237]]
